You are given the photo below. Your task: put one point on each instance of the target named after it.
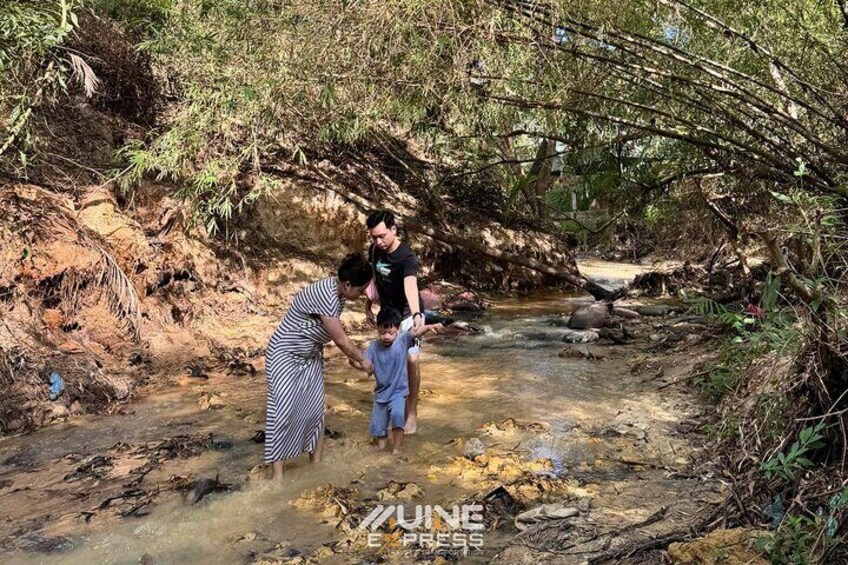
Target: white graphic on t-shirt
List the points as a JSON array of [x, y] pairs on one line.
[[383, 268]]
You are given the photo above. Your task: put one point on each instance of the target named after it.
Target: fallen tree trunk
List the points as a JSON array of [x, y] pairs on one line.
[[567, 275]]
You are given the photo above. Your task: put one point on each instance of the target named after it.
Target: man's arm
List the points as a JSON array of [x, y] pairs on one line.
[[410, 289], [369, 313]]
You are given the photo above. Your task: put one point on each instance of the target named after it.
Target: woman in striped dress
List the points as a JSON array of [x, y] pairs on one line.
[[294, 363]]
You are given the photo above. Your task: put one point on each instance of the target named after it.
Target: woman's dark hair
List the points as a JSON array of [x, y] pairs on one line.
[[355, 270], [374, 219], [388, 318]]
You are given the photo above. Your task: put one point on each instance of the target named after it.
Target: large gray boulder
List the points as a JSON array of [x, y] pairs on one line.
[[589, 317]]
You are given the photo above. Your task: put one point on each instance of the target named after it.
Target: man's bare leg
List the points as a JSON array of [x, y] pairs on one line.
[[414, 372], [397, 440]]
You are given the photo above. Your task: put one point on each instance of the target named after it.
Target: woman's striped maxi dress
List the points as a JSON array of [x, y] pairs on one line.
[[294, 367]]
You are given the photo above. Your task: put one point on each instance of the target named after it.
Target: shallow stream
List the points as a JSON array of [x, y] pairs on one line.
[[512, 371]]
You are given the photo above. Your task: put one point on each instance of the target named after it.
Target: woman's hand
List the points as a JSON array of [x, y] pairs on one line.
[[364, 365]]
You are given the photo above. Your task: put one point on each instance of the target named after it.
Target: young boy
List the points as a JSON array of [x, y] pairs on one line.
[[388, 355]]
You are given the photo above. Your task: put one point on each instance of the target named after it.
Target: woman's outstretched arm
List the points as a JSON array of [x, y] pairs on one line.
[[341, 339]]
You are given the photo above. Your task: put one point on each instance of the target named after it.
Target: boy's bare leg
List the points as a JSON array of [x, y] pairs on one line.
[[316, 455], [414, 372], [397, 440]]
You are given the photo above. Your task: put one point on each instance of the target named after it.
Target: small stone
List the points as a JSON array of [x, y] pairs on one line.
[[257, 472], [249, 536], [58, 411], [583, 505], [322, 552], [655, 309], [211, 402], [146, 559], [473, 448]]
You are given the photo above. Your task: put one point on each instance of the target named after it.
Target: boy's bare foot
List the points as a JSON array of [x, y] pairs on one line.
[[378, 444]]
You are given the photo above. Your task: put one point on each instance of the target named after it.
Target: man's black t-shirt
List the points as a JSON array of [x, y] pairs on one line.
[[390, 269]]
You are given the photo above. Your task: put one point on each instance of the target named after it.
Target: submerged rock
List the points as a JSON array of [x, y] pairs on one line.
[[400, 491], [655, 309], [466, 301], [44, 544], [580, 336], [576, 353], [258, 472], [473, 448], [210, 402], [431, 299], [545, 513], [329, 500], [626, 313]]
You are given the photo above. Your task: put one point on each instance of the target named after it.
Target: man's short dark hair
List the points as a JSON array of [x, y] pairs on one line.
[[374, 218], [355, 270], [388, 318]]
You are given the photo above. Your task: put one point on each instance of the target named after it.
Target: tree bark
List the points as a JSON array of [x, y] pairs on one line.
[[542, 174]]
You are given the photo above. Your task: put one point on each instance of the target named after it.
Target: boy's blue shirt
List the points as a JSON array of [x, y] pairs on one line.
[[390, 367]]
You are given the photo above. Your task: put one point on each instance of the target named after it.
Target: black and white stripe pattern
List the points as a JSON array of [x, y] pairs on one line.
[[294, 367]]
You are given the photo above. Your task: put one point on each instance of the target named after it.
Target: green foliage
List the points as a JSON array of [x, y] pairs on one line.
[[32, 69], [804, 540], [785, 466], [749, 336], [140, 18], [251, 82], [770, 410], [706, 307], [792, 543]]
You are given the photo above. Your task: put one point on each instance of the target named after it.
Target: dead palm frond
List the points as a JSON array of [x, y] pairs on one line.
[[51, 220], [85, 75], [120, 292], [123, 298]]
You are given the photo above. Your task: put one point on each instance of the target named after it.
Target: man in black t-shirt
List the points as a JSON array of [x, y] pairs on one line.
[[396, 277]]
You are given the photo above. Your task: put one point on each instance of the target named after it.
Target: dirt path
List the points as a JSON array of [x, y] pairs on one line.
[[597, 434]]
